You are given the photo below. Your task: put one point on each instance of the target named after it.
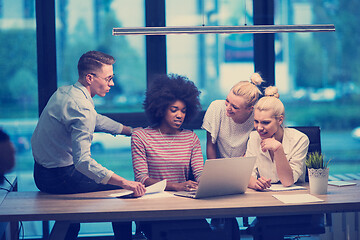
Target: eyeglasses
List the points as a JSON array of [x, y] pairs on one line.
[[107, 79]]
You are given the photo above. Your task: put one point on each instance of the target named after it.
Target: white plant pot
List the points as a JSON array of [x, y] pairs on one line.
[[318, 180]]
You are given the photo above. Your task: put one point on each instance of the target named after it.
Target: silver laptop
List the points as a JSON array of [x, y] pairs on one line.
[[223, 176]]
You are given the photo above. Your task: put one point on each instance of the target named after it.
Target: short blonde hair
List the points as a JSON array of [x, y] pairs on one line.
[[249, 90], [271, 101]]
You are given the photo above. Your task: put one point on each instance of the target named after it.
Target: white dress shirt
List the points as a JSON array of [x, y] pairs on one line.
[[295, 144], [65, 130]]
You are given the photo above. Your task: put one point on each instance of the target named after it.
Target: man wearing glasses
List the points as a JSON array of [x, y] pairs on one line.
[[62, 138]]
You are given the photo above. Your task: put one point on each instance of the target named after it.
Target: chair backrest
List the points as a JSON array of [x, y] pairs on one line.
[[313, 133]]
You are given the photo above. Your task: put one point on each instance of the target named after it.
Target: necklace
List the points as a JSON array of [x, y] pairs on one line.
[[169, 143]]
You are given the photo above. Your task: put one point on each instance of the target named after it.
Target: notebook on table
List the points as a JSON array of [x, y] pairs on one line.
[[223, 176]]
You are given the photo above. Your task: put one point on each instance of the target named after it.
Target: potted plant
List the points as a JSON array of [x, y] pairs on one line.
[[318, 173]]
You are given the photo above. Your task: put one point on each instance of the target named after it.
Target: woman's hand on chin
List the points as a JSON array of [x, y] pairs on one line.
[[270, 144]]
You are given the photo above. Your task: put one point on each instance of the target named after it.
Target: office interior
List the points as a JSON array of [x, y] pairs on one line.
[[316, 73]]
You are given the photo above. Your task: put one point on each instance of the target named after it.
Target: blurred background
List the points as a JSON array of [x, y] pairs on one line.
[[317, 73]]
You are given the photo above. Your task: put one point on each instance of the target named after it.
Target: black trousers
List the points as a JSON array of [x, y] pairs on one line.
[[67, 180]]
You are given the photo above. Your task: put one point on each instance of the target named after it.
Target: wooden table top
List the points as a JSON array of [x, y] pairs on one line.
[[99, 206]]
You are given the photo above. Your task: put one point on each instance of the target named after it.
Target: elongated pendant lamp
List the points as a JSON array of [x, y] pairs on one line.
[[223, 29]]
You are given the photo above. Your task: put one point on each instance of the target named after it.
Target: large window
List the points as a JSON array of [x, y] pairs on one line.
[[82, 26], [317, 74], [18, 94], [215, 62]]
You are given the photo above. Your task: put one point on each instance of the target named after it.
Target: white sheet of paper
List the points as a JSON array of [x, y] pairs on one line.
[[341, 183], [297, 198], [155, 188], [123, 192], [162, 194], [280, 187]]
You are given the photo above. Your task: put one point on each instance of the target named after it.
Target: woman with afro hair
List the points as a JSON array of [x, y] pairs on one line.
[[165, 150]]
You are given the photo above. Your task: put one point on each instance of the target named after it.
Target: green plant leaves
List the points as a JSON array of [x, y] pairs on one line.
[[316, 160]]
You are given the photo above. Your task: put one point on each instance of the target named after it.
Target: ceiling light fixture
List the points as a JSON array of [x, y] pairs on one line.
[[223, 29]]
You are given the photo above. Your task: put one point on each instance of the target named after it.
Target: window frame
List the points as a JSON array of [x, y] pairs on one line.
[[264, 54]]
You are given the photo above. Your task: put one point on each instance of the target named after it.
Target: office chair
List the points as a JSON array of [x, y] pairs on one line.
[[313, 133], [280, 226]]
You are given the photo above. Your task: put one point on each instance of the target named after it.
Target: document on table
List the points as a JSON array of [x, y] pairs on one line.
[[158, 187], [341, 183], [280, 187], [157, 190], [297, 198]]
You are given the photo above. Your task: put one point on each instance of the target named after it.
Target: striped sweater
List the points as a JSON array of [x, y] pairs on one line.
[[161, 156]]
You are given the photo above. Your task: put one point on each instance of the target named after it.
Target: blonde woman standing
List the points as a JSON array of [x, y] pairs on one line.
[[229, 122]]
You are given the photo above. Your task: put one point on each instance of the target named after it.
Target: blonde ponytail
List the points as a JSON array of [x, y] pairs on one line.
[[272, 91], [271, 101], [256, 79], [249, 90]]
